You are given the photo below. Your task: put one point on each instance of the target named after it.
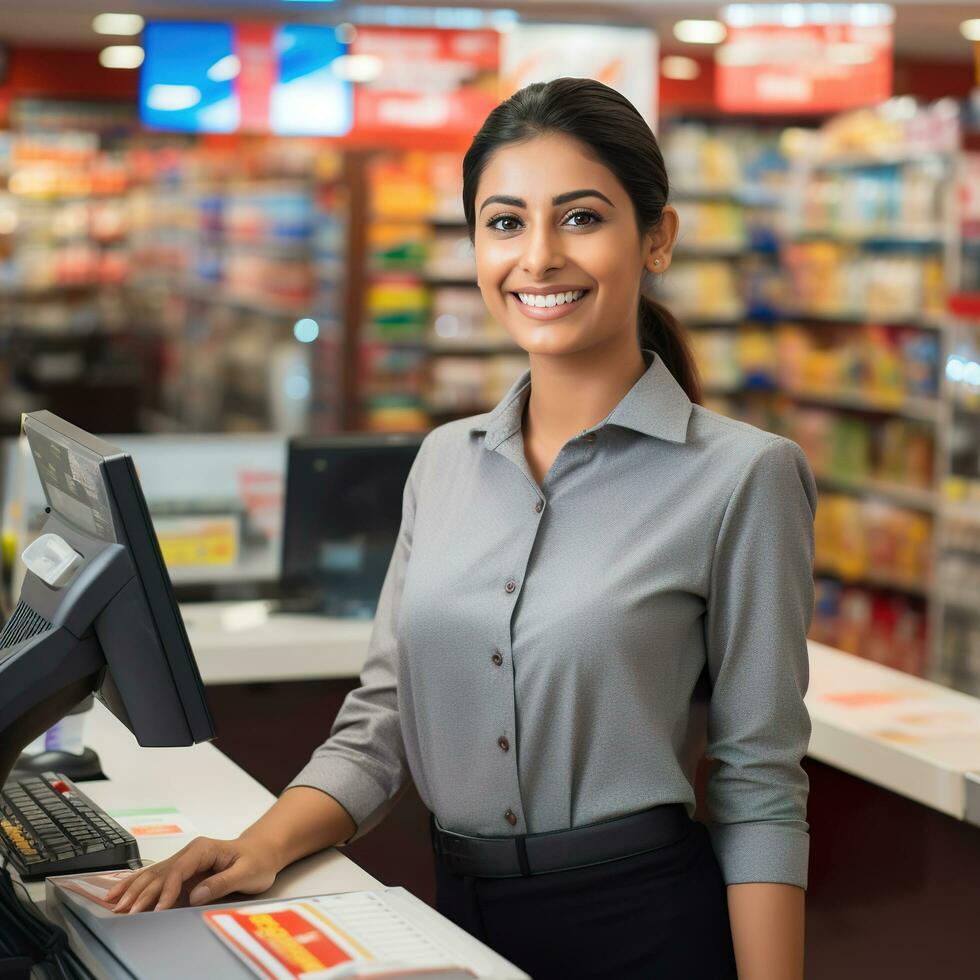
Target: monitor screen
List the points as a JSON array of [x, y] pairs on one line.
[[344, 499], [216, 501], [202, 76]]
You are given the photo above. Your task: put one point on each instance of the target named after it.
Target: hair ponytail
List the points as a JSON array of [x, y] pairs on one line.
[[608, 125], [660, 331]]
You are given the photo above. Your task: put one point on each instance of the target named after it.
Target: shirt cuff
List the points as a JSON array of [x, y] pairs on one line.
[[773, 851], [349, 784]]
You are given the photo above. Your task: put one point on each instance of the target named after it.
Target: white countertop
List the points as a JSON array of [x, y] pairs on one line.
[[209, 790], [904, 733]]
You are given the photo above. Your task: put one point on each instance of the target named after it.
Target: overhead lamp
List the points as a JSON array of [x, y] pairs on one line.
[[970, 29], [679, 68], [700, 31], [121, 56], [120, 25]]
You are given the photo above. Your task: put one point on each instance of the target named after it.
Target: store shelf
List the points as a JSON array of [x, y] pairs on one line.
[[924, 500], [860, 162], [882, 240], [863, 318], [923, 409], [473, 347], [876, 580]]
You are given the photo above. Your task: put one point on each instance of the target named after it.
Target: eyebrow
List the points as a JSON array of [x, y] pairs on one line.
[[517, 202]]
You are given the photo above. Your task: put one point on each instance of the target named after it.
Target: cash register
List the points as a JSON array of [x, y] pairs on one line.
[[96, 614]]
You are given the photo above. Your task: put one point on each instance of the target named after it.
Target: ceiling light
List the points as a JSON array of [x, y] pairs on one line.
[[679, 68], [121, 56], [700, 31], [117, 24], [970, 29]]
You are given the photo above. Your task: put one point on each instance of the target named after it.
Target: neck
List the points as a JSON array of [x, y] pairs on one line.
[[572, 392]]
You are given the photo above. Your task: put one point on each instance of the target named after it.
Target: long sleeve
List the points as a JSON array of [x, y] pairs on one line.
[[759, 610], [362, 764]]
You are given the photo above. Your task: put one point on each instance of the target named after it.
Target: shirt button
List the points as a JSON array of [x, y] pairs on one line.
[[496, 658], [503, 743], [539, 506], [510, 586], [510, 817]]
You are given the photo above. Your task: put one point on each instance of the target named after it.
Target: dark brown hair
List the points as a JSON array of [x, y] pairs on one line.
[[608, 125]]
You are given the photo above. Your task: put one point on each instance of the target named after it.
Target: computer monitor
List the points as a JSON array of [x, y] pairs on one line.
[[344, 497], [216, 501], [96, 611]]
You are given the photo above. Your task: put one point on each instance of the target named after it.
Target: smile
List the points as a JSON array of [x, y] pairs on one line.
[[550, 299], [549, 306]]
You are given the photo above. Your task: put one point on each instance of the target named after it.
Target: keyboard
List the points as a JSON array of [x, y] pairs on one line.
[[48, 826]]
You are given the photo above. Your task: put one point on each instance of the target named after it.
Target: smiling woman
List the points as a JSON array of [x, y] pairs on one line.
[[594, 585], [572, 194]]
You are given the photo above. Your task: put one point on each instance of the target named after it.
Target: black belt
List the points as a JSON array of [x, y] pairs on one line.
[[561, 850]]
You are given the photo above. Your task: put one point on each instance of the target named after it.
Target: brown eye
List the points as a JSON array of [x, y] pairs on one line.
[[492, 223], [594, 218]]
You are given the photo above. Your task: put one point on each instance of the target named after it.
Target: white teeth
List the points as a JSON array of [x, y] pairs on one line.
[[551, 299]]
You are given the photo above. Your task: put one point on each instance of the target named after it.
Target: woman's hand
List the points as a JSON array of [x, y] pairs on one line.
[[188, 877]]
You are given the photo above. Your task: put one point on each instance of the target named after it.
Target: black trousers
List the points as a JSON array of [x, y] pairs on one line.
[[662, 915]]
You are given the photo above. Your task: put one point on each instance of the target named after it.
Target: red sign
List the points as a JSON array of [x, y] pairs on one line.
[[811, 68], [429, 81]]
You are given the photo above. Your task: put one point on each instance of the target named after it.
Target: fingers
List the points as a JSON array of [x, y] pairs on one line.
[[159, 885], [120, 886]]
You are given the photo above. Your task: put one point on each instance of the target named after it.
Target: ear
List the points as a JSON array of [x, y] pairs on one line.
[[659, 243]]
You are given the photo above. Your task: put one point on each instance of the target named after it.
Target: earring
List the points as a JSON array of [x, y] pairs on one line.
[[656, 261]]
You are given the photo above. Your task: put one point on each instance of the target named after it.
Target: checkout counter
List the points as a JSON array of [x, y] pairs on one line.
[[894, 767]]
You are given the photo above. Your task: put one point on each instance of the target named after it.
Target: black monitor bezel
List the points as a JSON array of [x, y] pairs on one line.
[[300, 447], [135, 528]]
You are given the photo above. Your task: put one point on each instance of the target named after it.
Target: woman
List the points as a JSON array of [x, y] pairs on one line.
[[575, 572]]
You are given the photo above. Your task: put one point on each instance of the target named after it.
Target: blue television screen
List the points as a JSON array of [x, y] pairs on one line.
[[199, 76]]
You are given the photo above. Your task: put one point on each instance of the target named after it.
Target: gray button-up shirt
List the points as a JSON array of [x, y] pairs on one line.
[[549, 656]]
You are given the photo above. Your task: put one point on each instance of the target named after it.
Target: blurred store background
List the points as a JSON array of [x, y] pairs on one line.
[[245, 218], [232, 241]]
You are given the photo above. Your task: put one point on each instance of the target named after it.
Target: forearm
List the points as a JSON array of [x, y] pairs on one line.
[[767, 920], [302, 821]]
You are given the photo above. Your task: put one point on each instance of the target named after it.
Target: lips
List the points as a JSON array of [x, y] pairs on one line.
[[550, 312]]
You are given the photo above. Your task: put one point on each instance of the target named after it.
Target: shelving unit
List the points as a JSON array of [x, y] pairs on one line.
[[433, 354], [242, 263], [822, 281]]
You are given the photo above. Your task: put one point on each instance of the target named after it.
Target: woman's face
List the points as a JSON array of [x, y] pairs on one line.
[[551, 220]]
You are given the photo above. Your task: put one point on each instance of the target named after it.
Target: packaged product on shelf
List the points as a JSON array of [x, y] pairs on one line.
[[702, 289], [450, 256], [397, 246], [397, 307], [459, 317]]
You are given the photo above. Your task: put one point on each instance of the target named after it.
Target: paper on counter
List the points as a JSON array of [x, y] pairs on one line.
[[163, 821], [356, 934]]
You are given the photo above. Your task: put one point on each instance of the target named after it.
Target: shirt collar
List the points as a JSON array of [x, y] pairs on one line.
[[656, 406]]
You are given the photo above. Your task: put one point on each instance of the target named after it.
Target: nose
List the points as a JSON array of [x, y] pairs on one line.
[[542, 250]]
